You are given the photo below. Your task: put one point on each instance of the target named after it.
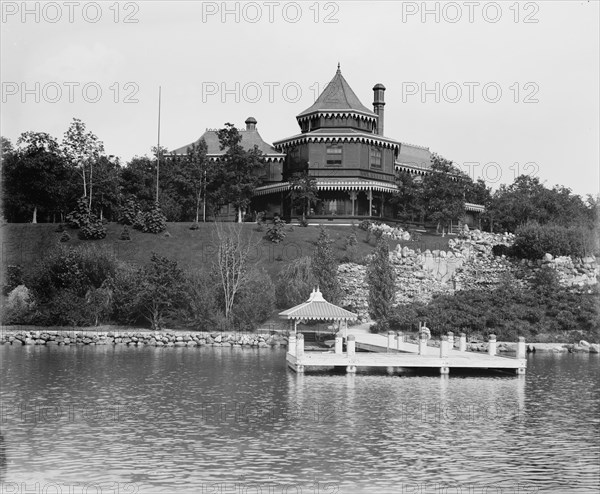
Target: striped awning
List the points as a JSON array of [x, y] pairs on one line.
[[331, 185], [317, 308], [477, 208]]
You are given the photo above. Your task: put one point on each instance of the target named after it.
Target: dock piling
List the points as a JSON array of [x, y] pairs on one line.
[[300, 346], [422, 343], [462, 342], [351, 346], [399, 340], [521, 348], [292, 344], [450, 340], [390, 340], [339, 338], [444, 344], [492, 345]]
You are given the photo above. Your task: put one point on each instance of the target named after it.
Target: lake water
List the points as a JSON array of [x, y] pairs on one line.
[[121, 419]]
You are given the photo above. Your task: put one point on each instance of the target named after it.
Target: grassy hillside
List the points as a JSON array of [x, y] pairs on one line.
[[25, 243]]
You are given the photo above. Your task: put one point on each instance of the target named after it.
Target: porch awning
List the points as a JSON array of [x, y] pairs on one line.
[[317, 308], [324, 184]]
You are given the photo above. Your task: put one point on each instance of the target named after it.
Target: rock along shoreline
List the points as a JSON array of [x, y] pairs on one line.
[[175, 338], [141, 338]]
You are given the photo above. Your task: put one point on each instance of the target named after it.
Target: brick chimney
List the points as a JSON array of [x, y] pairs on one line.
[[378, 105], [250, 123]]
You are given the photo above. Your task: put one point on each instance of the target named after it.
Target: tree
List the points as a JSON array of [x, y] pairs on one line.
[[194, 172], [83, 149], [408, 200], [34, 176], [238, 174], [231, 264], [106, 186], [381, 279], [444, 191], [161, 290], [294, 282], [303, 191], [324, 268], [527, 199]]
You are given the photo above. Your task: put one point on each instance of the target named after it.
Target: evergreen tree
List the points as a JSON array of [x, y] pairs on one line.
[[381, 278], [324, 266]]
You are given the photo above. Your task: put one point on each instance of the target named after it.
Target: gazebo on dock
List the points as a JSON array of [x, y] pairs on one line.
[[316, 308]]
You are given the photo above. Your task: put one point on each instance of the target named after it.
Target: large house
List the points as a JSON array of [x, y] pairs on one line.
[[342, 145]]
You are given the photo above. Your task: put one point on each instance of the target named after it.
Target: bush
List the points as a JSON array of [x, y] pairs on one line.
[[154, 220], [255, 302], [14, 277], [65, 237], [94, 229], [19, 306], [77, 269], [195, 226], [502, 250], [276, 232], [365, 225], [533, 240], [295, 282], [125, 235], [128, 212], [304, 222], [80, 216]]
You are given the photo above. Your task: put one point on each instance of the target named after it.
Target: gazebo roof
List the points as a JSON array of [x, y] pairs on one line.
[[317, 308]]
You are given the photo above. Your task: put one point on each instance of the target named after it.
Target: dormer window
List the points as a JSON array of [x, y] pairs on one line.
[[376, 158], [334, 155]]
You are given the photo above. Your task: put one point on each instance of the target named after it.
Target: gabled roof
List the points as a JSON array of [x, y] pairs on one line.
[[250, 138], [337, 96], [317, 308]]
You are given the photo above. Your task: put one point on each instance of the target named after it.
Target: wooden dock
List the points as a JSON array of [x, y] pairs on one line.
[[392, 351]]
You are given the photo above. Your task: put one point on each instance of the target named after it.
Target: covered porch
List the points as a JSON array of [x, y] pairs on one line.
[[348, 200]]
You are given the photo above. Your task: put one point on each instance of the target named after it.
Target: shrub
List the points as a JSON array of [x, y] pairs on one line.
[[125, 235], [324, 267], [65, 237], [77, 269], [14, 277], [19, 306], [365, 225], [94, 229], [304, 222], [255, 302], [195, 226], [276, 232], [139, 221], [128, 212], [533, 240], [154, 220], [200, 301], [502, 250], [381, 280], [295, 282], [80, 216], [60, 228]]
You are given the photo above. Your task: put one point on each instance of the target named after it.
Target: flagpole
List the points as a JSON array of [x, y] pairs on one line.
[[158, 146]]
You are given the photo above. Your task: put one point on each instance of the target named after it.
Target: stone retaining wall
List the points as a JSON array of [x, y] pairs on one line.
[[468, 264], [141, 338]]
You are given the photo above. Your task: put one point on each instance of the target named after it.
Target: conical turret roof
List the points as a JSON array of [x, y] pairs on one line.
[[338, 96]]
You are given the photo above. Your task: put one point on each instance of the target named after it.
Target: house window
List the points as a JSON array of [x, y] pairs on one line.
[[334, 155], [375, 158]]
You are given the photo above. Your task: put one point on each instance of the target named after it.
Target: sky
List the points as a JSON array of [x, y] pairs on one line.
[[499, 88]]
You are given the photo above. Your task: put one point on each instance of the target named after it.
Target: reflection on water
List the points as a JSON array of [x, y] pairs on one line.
[[183, 420]]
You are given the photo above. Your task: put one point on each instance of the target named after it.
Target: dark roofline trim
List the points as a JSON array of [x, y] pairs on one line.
[[364, 139], [303, 117]]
